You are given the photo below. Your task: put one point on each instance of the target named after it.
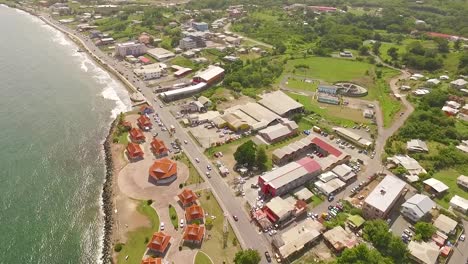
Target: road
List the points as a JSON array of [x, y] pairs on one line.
[[460, 251], [247, 233], [228, 25]]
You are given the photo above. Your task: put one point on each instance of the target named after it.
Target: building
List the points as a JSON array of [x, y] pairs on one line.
[[279, 211], [303, 194], [368, 113], [146, 110], [450, 111], [200, 26], [152, 260], [60, 8], [344, 172], [160, 54], [194, 212], [322, 9], [328, 98], [163, 171], [134, 152], [423, 252], [159, 243], [463, 146], [435, 186], [136, 135], [194, 234], [459, 84], [144, 123], [278, 132], [339, 239], [233, 40], [453, 104], [144, 38], [416, 145], [459, 203], [417, 207], [355, 222], [254, 115], [411, 165], [280, 103], [187, 197], [187, 43], [432, 82], [204, 101], [104, 41], [328, 89], [381, 200], [327, 176], [211, 75], [462, 181], [151, 71], [330, 187], [130, 48], [289, 177], [183, 92], [352, 137], [445, 224], [292, 151], [298, 238], [159, 148]]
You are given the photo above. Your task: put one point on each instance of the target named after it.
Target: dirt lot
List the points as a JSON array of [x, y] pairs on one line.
[[231, 101], [364, 192], [316, 254]]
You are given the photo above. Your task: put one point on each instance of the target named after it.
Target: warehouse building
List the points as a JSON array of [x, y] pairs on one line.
[[160, 54], [183, 92], [280, 103], [289, 177], [352, 137], [278, 132], [211, 75]]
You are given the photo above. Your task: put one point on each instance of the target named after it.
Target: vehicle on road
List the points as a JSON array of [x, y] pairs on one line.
[[182, 223], [462, 237], [161, 226], [208, 167], [330, 198], [235, 218], [268, 257], [185, 142], [208, 174], [197, 160]]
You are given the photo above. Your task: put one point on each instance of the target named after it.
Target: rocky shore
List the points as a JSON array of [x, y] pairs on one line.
[[107, 204]]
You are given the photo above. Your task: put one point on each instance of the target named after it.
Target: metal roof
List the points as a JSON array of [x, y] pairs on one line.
[[279, 102], [385, 193]]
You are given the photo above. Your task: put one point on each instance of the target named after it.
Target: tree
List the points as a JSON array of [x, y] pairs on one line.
[[249, 256], [280, 48], [425, 230], [457, 44], [442, 45], [384, 241], [362, 254], [393, 53], [261, 159], [376, 47], [364, 50], [245, 154]]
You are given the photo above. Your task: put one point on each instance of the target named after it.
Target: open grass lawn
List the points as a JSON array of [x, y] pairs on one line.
[[184, 62], [137, 239], [316, 200], [329, 69], [449, 177], [173, 216], [202, 258], [226, 149], [194, 176], [214, 244], [300, 84], [123, 138]]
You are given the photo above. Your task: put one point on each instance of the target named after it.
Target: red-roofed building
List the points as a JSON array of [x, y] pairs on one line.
[[194, 212], [159, 243], [163, 171], [187, 197], [194, 234], [144, 122], [445, 251], [146, 109], [144, 60], [326, 148], [159, 148], [136, 135], [134, 152], [289, 177], [152, 261], [322, 9], [127, 125], [441, 35]]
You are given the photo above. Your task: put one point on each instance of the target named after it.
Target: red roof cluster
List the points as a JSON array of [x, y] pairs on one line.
[[144, 121], [163, 168], [327, 147], [193, 212], [194, 233], [187, 197], [159, 242], [158, 147], [440, 35], [136, 134], [152, 261], [134, 151]]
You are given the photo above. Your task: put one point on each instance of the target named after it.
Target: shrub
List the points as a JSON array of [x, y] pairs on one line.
[[149, 202], [118, 247]]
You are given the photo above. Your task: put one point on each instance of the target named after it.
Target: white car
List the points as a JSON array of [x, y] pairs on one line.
[[182, 222], [208, 174], [208, 167], [462, 237], [197, 160], [161, 227], [185, 142]]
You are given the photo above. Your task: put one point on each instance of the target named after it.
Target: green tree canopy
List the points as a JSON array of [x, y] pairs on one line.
[[249, 256], [245, 153], [424, 230], [377, 232], [362, 255], [261, 159]]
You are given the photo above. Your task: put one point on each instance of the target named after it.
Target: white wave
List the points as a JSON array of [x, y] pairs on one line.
[[3, 5]]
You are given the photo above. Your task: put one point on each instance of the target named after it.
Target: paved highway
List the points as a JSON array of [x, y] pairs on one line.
[[247, 233]]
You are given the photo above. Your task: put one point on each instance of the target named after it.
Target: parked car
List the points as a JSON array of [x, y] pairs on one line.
[[182, 223], [208, 174], [268, 257], [462, 237], [330, 198], [235, 218], [197, 160], [161, 226]]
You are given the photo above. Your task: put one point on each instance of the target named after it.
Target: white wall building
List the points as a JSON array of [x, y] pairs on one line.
[[130, 48]]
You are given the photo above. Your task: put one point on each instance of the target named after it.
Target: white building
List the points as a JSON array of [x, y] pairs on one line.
[[417, 207], [344, 172], [411, 165], [130, 48], [381, 200], [459, 84], [423, 252], [151, 71], [459, 203], [432, 82], [445, 224], [416, 145], [462, 180], [435, 185]]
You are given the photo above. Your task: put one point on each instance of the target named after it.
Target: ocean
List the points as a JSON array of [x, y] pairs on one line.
[[56, 106]]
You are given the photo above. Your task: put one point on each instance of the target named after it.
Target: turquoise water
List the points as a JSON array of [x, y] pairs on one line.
[[55, 109]]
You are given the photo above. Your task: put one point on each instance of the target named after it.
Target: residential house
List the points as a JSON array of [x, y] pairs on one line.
[[416, 145], [432, 82], [194, 234], [423, 252], [462, 181], [187, 197], [136, 135], [339, 239], [459, 84], [163, 171], [463, 146], [134, 152], [159, 148], [445, 224], [194, 212], [417, 207], [159, 243], [459, 203], [435, 186], [144, 123]]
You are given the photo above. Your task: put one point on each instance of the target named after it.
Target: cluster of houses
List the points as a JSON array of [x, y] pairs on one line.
[[459, 84]]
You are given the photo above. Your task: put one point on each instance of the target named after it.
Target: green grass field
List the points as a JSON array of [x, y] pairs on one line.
[[173, 216], [202, 258], [137, 240], [214, 245], [449, 177], [299, 84], [329, 69], [194, 176]]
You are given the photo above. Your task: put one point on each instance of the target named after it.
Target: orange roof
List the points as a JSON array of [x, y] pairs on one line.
[[144, 121], [158, 146], [152, 261], [187, 196], [193, 212], [159, 242], [126, 124], [163, 168], [194, 233], [136, 134], [134, 150]]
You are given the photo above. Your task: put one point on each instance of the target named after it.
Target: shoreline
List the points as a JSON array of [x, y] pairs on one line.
[[107, 195]]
